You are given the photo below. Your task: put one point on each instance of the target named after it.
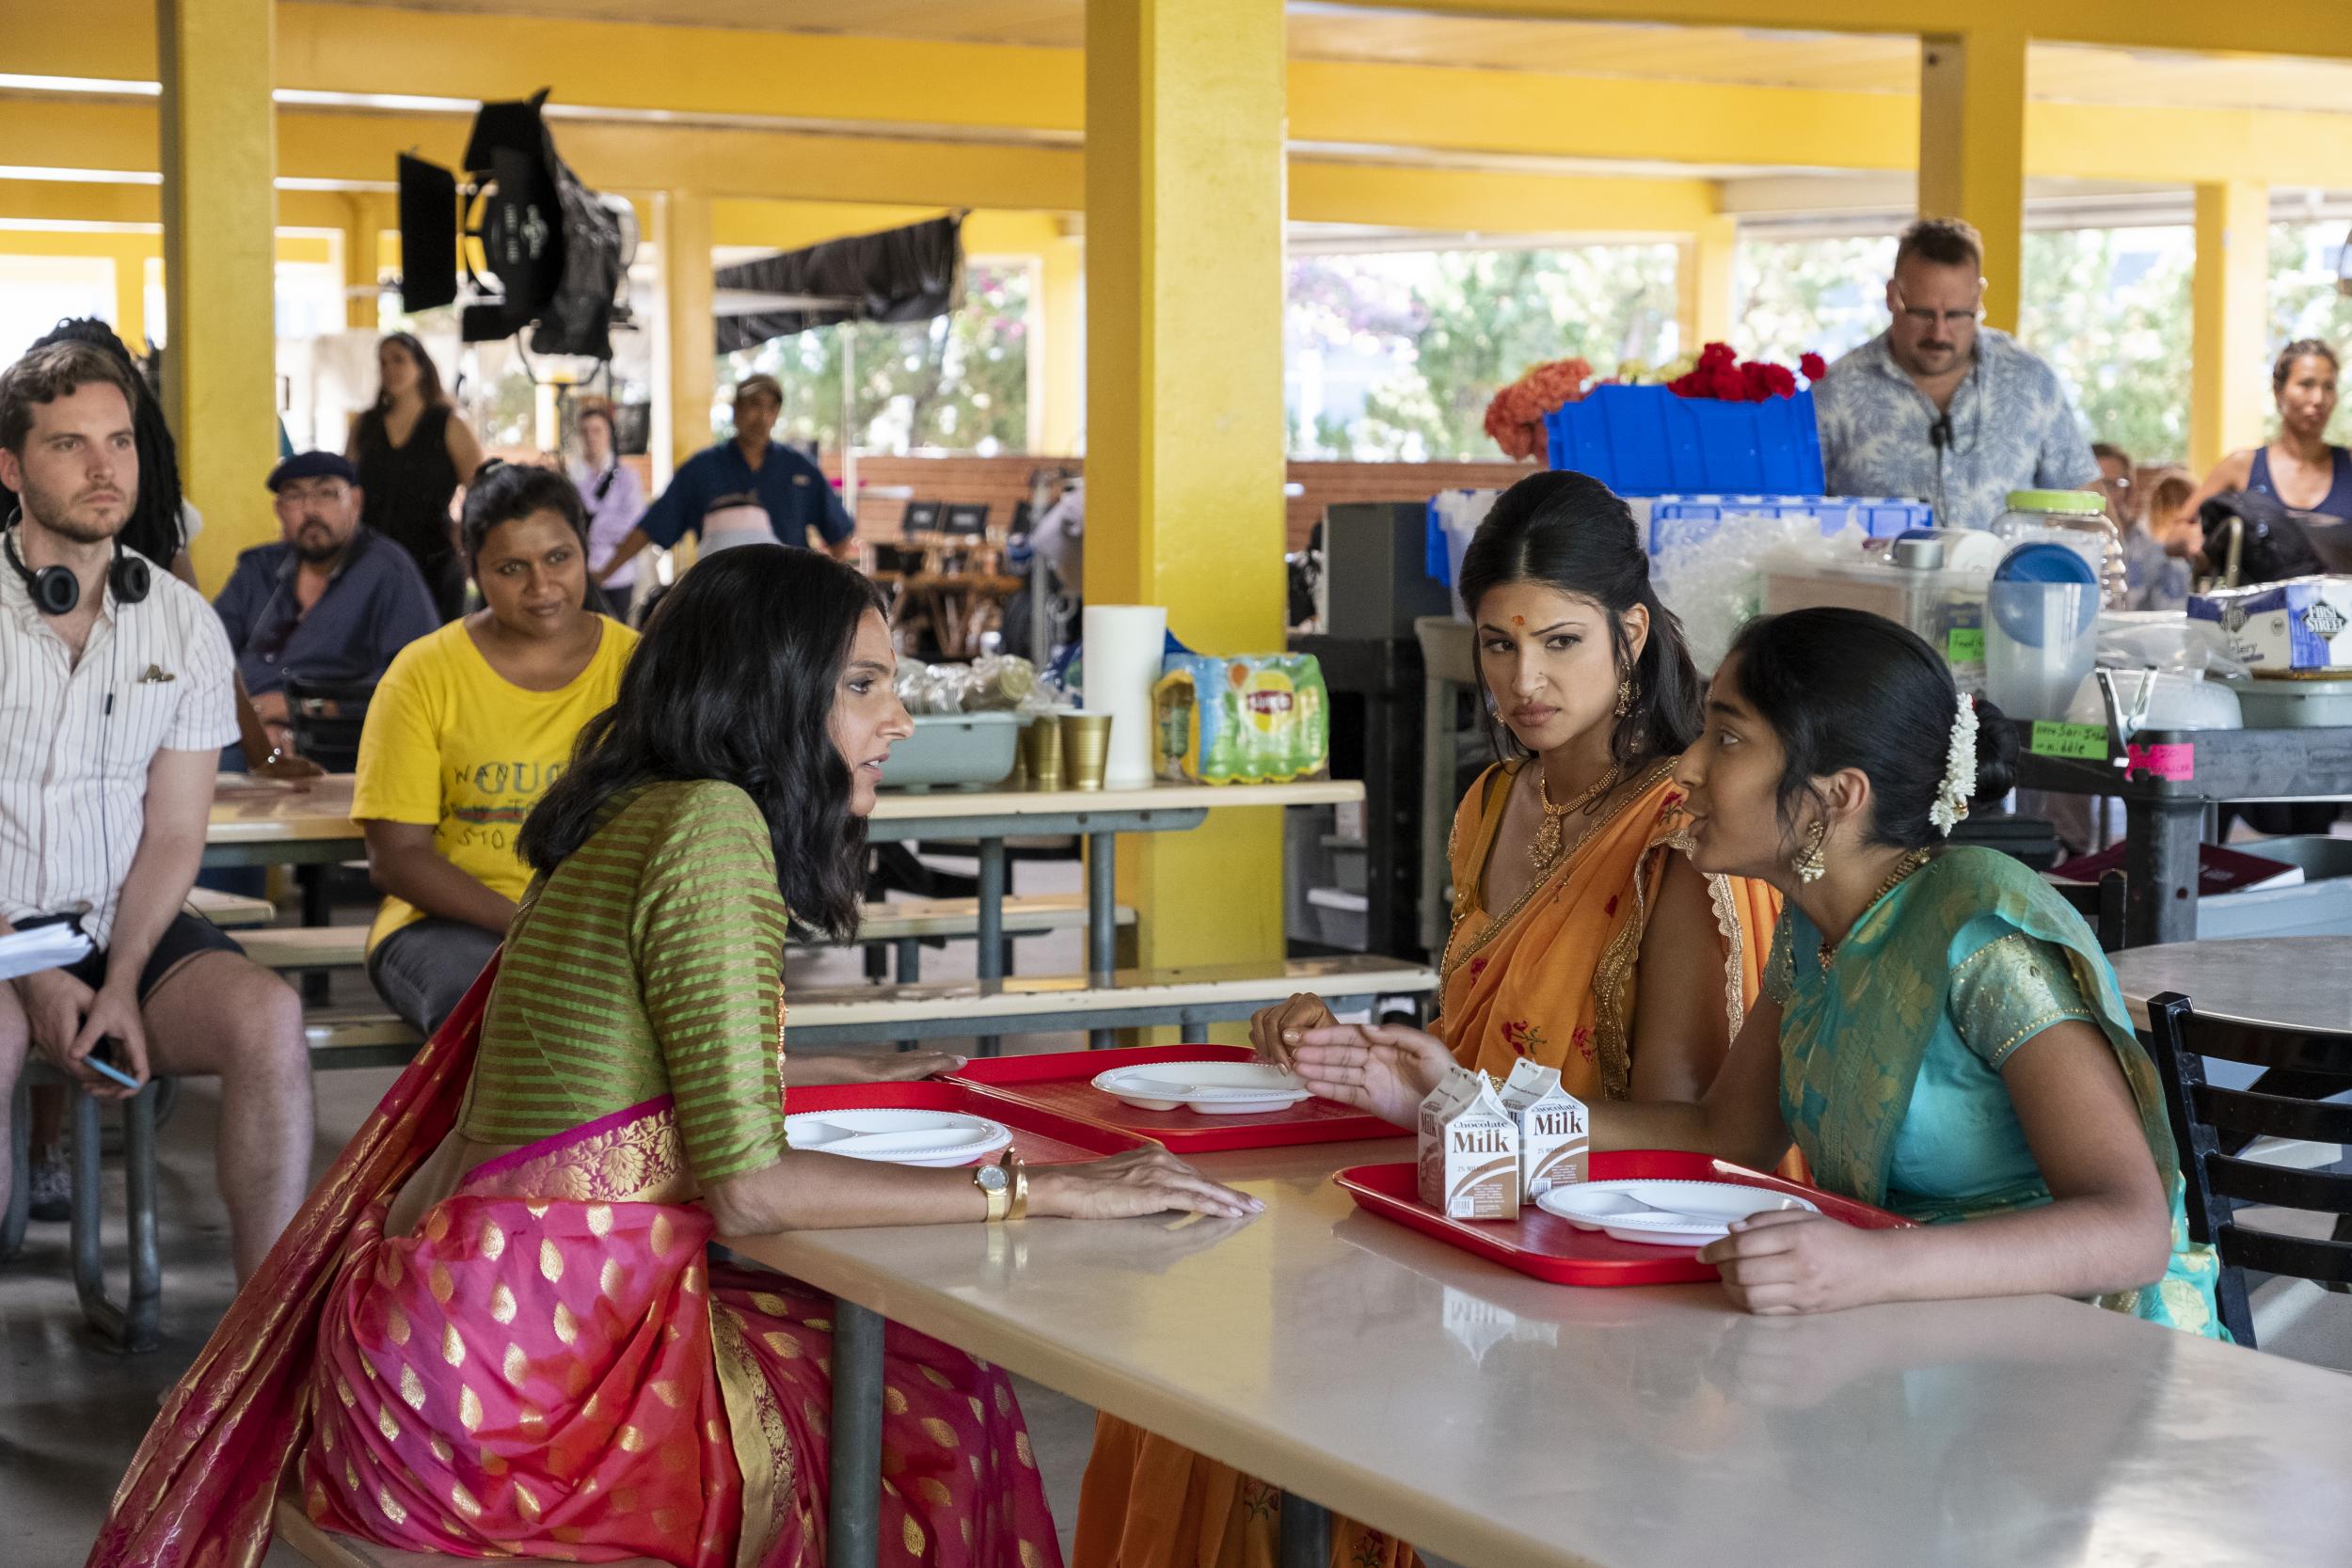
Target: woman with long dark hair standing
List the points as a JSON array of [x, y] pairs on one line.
[[494, 1329], [1583, 939], [414, 454]]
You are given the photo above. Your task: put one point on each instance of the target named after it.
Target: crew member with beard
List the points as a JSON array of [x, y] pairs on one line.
[[114, 698], [327, 602]]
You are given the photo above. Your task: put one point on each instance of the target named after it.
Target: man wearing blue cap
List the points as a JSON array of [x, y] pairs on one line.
[[328, 602]]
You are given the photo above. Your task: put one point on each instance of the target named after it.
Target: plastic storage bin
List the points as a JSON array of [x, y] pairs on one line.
[[1680, 520], [2280, 704], [1645, 441], [949, 750], [1945, 606]]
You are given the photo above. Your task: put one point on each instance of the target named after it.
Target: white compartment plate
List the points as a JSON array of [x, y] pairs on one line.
[[1663, 1212], [1209, 1089], [898, 1136]]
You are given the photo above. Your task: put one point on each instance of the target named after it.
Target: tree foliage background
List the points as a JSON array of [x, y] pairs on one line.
[[956, 383]]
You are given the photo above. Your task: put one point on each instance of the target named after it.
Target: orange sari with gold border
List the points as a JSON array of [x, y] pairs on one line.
[[1552, 979]]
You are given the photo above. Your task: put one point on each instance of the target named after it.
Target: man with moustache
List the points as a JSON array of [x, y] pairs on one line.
[[327, 602], [114, 698], [1942, 407]]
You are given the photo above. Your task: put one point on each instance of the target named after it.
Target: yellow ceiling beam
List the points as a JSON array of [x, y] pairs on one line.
[[47, 201], [912, 84], [1446, 109], [1482, 201], [2319, 27]]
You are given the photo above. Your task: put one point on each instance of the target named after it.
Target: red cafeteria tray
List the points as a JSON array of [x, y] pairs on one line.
[[1550, 1248], [1039, 1136], [1059, 1084]]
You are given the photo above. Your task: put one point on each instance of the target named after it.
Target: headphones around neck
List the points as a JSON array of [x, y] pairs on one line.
[[56, 591]]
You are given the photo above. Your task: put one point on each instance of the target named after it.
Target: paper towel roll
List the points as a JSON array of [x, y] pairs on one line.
[[1122, 647]]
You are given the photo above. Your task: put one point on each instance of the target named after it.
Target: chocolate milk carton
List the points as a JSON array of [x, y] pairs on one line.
[[1470, 1150], [1555, 1134]]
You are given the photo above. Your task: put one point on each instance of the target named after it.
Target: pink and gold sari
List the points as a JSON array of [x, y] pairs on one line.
[[549, 1368]]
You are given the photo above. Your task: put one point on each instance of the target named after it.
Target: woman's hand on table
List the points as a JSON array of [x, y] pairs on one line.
[[1275, 1031], [868, 1066], [1382, 1069], [1141, 1182], [1780, 1265]]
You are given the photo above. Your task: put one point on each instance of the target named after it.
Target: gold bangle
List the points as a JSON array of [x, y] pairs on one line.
[[1020, 1188]]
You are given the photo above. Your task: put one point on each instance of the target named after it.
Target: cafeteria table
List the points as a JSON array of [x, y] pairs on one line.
[[1498, 1421], [2277, 982], [258, 823]]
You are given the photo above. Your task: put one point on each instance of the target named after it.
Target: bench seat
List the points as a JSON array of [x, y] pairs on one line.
[[231, 911]]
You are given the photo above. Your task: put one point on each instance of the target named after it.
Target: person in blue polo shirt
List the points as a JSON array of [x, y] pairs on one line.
[[797, 496], [329, 601]]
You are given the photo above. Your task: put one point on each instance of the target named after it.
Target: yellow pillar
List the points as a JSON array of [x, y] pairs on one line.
[[2227, 402], [686, 282], [220, 210], [1706, 275], [1972, 152], [130, 254], [1058, 362], [1184, 428], [362, 256]]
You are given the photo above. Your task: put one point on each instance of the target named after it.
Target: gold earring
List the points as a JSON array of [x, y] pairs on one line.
[[1625, 695], [1811, 865]]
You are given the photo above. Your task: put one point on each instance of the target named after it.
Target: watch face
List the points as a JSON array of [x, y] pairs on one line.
[[992, 1179]]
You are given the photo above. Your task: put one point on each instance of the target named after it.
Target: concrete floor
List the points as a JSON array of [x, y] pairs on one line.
[[72, 1413]]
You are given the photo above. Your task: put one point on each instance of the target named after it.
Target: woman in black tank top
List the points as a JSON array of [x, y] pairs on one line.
[[406, 487]]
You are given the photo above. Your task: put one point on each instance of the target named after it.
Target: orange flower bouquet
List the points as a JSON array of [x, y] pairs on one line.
[[1515, 416]]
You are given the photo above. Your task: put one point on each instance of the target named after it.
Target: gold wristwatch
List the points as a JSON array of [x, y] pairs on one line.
[[996, 1184], [1006, 1185]]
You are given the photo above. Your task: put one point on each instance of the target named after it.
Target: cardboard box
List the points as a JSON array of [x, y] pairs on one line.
[[2279, 627]]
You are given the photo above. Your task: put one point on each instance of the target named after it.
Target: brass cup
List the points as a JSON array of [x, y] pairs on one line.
[[1086, 744], [1041, 747]]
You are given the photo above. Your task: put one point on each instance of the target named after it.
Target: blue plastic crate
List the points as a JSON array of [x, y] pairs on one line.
[[1645, 441], [1676, 520]]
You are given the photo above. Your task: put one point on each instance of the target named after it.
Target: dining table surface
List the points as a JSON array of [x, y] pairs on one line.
[[1508, 1423], [2282, 982], [257, 810]]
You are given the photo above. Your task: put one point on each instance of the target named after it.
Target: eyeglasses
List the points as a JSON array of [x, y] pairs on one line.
[[1921, 317]]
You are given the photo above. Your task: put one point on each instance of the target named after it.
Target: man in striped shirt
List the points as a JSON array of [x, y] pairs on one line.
[[115, 701]]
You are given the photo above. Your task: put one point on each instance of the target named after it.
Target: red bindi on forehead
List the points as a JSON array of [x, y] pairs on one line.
[[1519, 620]]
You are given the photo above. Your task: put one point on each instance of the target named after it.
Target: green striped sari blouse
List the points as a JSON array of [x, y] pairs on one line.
[[648, 963]]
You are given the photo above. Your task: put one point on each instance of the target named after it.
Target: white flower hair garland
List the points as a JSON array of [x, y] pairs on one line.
[[1960, 771]]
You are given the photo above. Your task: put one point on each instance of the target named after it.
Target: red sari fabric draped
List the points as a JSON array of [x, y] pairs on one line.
[[199, 1491], [549, 1368]]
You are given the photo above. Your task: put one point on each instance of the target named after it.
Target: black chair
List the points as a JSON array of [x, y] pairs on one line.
[[326, 717], [2206, 1120], [2101, 905]]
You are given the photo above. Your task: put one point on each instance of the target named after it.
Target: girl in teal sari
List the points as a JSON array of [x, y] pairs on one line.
[[1939, 1034]]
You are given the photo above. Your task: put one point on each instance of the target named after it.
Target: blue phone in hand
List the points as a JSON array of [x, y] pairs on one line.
[[102, 1059]]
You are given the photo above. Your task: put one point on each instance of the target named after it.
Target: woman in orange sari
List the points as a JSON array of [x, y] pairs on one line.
[[493, 1330], [1572, 882]]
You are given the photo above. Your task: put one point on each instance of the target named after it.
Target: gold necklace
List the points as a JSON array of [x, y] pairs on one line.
[[1904, 867], [1549, 837]]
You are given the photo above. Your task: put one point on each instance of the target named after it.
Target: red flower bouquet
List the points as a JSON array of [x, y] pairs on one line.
[[1720, 375], [1515, 416]]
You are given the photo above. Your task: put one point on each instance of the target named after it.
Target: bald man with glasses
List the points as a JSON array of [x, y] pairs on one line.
[[1942, 407]]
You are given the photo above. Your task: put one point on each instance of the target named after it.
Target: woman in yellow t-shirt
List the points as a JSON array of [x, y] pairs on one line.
[[466, 730]]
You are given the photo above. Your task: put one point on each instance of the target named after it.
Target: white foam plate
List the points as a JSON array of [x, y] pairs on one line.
[[1664, 1214], [1211, 1088], [898, 1136]]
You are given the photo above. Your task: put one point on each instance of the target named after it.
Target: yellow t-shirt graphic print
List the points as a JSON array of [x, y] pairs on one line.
[[452, 744]]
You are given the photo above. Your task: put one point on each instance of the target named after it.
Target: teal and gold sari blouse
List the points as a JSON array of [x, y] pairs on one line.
[[1891, 1057]]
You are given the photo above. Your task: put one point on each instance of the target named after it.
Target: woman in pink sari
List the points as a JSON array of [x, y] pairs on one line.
[[493, 1330]]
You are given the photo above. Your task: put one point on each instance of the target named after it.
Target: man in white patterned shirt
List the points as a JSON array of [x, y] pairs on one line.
[[1941, 408], [115, 701]]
